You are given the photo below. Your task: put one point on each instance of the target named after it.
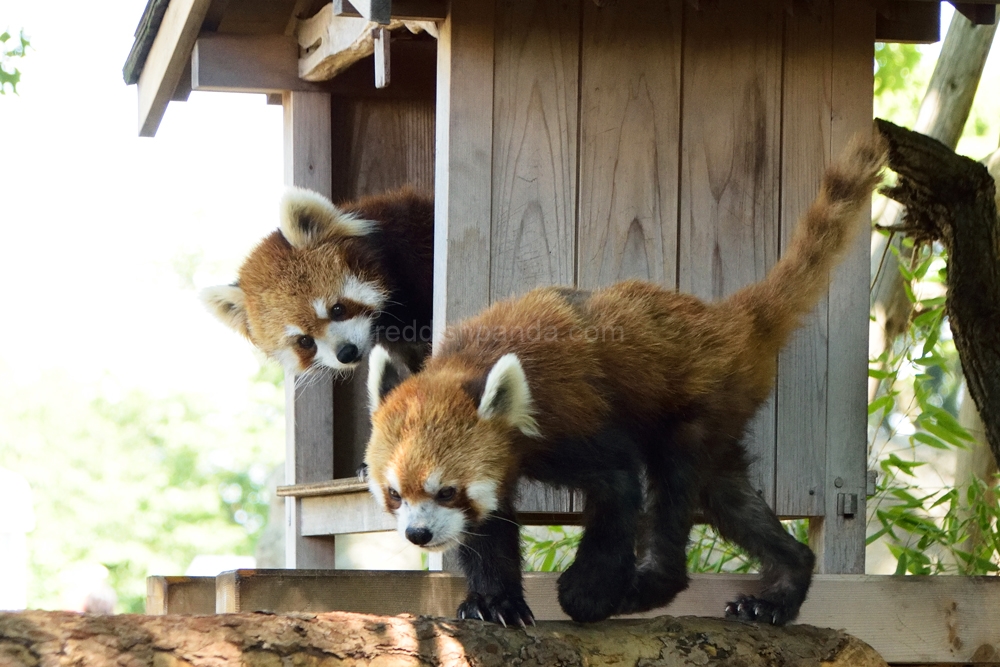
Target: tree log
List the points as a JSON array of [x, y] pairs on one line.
[[339, 639], [952, 199]]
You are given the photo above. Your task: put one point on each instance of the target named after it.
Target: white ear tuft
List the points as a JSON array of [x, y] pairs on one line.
[[383, 376], [228, 303], [508, 397], [308, 217]]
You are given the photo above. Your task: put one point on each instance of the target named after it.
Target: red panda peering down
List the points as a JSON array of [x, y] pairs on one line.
[[634, 394], [332, 281]]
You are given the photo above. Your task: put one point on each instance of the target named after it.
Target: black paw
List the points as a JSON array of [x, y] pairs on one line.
[[593, 589], [749, 608], [652, 588], [503, 609]]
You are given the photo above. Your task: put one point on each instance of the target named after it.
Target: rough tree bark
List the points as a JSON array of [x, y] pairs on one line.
[[339, 639], [952, 199], [943, 112]]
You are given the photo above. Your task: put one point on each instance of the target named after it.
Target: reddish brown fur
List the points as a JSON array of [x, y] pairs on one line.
[[657, 353], [280, 281]]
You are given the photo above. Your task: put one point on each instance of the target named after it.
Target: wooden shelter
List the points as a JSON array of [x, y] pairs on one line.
[[574, 142]]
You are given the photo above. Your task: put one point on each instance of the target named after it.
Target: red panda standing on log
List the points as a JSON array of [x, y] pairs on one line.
[[635, 394], [331, 282]]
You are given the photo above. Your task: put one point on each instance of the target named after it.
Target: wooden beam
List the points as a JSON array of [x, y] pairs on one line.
[[464, 161], [977, 14], [247, 64], [332, 43], [377, 11], [404, 10], [907, 619], [180, 595], [839, 540], [308, 146], [167, 59], [909, 22]]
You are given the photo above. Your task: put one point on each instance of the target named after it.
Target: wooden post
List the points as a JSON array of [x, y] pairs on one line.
[[838, 540], [308, 401], [463, 166], [464, 160]]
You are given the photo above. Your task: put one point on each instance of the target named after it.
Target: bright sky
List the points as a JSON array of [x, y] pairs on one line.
[[94, 219]]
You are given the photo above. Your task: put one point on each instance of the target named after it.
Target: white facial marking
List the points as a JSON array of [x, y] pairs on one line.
[[376, 490], [392, 478], [367, 293], [289, 360], [292, 330], [356, 330], [319, 305], [484, 494], [433, 483], [445, 523]]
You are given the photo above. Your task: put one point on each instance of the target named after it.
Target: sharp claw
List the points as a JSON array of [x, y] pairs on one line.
[[502, 621], [520, 622], [531, 619], [461, 614], [479, 612]]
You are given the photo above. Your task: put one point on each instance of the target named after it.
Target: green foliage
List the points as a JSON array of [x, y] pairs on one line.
[[553, 548], [137, 483], [929, 530], [894, 65], [9, 75]]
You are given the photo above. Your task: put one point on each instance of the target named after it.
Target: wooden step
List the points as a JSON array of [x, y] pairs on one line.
[[180, 595], [942, 619]]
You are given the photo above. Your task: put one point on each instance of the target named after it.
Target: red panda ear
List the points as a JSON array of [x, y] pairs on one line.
[[308, 218], [228, 303], [508, 397], [383, 376]]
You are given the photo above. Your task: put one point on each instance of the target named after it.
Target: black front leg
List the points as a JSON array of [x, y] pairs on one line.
[[607, 468], [490, 557]]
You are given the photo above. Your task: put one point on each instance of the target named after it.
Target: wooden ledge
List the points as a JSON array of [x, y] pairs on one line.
[[333, 487]]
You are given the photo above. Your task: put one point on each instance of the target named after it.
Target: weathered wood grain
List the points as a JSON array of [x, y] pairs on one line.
[[534, 145], [800, 461], [630, 118], [180, 595], [308, 399], [730, 167], [937, 619], [247, 64], [380, 144], [464, 161], [840, 542], [167, 59]]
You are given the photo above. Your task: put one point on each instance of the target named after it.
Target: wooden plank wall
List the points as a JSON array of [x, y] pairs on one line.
[[378, 144], [647, 138]]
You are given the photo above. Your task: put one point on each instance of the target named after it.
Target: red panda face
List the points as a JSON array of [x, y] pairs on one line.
[[438, 461], [307, 295]]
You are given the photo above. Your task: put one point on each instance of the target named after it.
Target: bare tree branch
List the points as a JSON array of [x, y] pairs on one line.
[[952, 199]]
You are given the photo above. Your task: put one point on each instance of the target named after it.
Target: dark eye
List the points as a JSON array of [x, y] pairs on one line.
[[445, 494], [305, 342], [337, 311], [394, 494]]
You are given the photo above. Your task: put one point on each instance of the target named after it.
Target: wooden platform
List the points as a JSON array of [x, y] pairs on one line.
[[941, 619]]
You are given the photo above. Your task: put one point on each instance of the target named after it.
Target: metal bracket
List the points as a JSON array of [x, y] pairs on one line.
[[847, 504]]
